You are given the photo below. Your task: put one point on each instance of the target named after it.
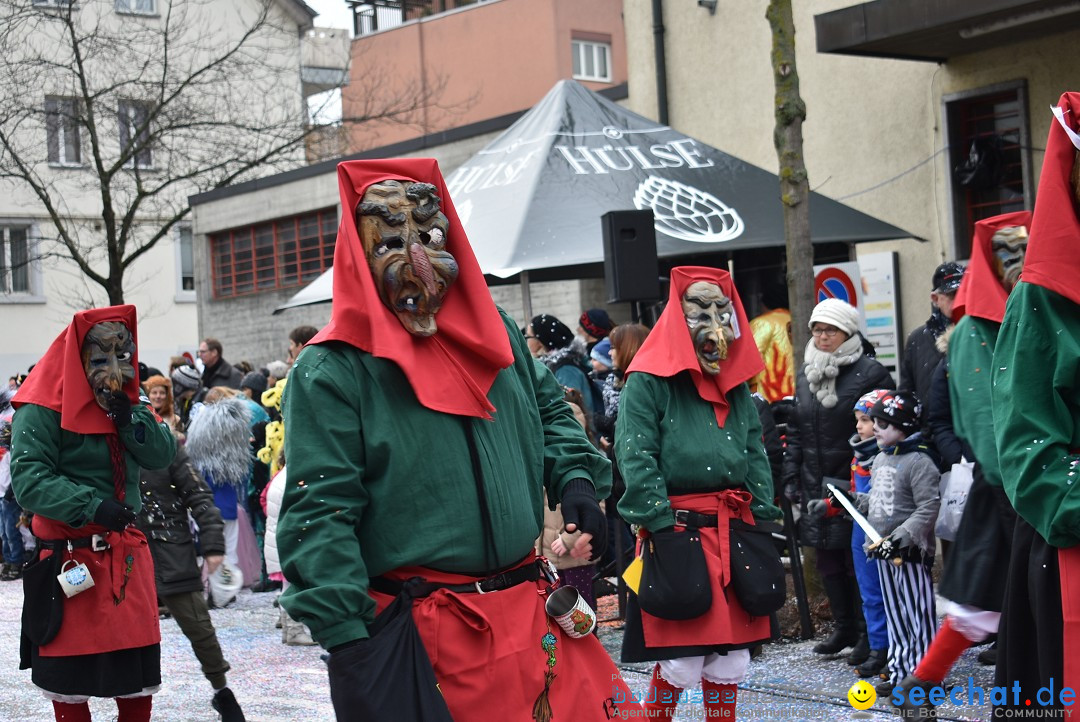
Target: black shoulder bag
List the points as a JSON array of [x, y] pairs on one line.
[[757, 574], [674, 577]]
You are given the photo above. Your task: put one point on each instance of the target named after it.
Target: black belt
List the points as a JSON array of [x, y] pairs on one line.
[[419, 587], [96, 543], [693, 519]]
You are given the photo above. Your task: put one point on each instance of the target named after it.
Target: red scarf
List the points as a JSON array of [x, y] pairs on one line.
[[1052, 257], [669, 350], [981, 293], [58, 381], [451, 371]]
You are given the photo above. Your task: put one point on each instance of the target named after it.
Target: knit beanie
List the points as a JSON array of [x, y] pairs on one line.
[[900, 408], [551, 332], [186, 378], [602, 352], [867, 401], [596, 322], [835, 312], [254, 381]]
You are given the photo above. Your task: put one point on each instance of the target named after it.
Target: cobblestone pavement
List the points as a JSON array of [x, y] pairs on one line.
[[276, 683]]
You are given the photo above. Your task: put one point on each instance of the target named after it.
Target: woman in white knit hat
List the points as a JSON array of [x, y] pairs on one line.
[[839, 368]]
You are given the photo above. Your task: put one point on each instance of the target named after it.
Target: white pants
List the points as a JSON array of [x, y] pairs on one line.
[[974, 623], [232, 536], [687, 672], [79, 698]]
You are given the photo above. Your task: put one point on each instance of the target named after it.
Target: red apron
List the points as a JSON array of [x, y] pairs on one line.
[[725, 622], [1069, 572], [94, 622], [486, 652]]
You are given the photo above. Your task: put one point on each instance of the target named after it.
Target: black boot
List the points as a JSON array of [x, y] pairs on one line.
[[875, 663], [845, 630], [988, 657], [910, 710], [860, 652], [226, 705]]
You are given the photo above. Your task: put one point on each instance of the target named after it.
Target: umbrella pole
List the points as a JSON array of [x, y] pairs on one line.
[[526, 296]]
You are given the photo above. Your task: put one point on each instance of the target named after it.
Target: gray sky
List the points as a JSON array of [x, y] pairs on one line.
[[332, 13]]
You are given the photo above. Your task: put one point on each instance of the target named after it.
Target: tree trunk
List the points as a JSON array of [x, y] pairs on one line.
[[794, 186]]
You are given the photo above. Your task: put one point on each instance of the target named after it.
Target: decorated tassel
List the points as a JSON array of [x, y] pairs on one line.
[[542, 707]]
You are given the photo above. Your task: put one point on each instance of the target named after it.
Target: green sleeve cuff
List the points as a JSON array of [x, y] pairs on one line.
[[341, 633]]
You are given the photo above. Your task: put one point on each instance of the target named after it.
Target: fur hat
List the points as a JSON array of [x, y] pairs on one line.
[[835, 312], [596, 322], [186, 378], [551, 332], [900, 408], [217, 441], [254, 381], [602, 352]]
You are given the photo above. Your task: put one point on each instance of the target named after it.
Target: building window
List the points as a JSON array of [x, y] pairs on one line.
[[185, 282], [133, 117], [136, 7], [52, 3], [62, 131], [284, 253], [989, 157], [14, 260], [591, 60]]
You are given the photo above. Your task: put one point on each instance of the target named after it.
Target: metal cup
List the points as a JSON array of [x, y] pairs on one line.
[[573, 613]]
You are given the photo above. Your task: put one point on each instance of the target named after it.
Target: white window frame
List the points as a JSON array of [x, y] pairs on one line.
[[64, 113], [52, 3], [130, 7], [33, 267], [125, 111], [184, 295], [584, 51]]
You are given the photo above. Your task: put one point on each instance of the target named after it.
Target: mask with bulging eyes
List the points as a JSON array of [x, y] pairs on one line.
[[1009, 245], [404, 236], [107, 354], [710, 318]]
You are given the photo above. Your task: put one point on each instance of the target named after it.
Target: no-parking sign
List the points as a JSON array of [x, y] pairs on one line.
[[842, 281]]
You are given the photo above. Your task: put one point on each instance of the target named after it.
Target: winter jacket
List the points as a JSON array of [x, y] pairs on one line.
[[817, 445], [223, 374], [167, 496], [922, 352], [770, 436], [939, 418], [275, 490]]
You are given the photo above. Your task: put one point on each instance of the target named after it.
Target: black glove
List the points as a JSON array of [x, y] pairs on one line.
[[580, 508], [119, 409], [792, 493], [113, 515]]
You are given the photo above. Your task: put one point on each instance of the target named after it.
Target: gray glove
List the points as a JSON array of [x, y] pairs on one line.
[[901, 538], [816, 508]]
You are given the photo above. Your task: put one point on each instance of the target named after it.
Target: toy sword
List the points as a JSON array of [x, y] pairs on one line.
[[882, 548]]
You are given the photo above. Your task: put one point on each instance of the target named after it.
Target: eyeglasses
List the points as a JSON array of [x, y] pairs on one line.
[[203, 350], [830, 332], [881, 424]]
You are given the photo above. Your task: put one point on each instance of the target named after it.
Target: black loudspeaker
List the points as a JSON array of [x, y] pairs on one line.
[[631, 272]]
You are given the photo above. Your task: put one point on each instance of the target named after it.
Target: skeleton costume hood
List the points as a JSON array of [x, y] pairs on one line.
[[981, 293], [669, 349], [452, 370], [59, 383]]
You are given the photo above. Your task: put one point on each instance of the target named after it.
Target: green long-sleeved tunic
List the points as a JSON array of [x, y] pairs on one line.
[[65, 476], [667, 438], [971, 360], [1036, 403], [376, 481]]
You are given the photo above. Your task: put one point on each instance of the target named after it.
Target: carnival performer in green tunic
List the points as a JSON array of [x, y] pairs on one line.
[[688, 442], [1036, 411], [420, 438], [79, 437]]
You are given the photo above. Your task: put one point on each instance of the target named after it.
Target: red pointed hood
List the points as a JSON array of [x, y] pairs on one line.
[[58, 381], [1053, 255], [452, 370], [669, 350], [981, 293]]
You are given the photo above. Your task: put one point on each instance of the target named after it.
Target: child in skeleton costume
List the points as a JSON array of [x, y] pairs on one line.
[[420, 437], [79, 438], [688, 443], [1036, 402], [972, 582]]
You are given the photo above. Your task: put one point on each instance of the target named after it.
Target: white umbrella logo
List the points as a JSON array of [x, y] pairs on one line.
[[686, 213]]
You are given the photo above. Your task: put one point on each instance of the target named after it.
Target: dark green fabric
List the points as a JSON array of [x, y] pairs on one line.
[[666, 437], [971, 361], [376, 481], [64, 476], [1036, 400]]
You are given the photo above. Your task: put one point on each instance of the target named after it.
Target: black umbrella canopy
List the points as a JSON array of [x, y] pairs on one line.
[[533, 197]]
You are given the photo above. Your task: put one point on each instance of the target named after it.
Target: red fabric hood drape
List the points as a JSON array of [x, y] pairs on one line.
[[981, 293], [58, 381], [669, 350], [452, 370], [1053, 255]]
